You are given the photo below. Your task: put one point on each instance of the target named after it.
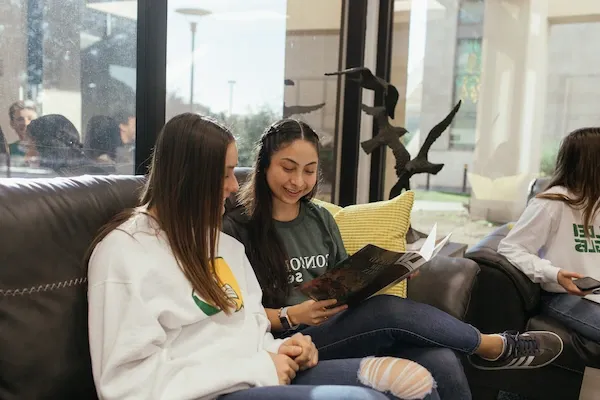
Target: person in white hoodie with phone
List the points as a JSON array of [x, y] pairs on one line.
[[175, 308], [557, 238]]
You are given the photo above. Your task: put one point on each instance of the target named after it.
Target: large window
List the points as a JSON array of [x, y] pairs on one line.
[[67, 79], [250, 63], [526, 74]]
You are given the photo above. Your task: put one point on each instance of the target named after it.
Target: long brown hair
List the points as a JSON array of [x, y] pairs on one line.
[[185, 189], [578, 170], [268, 254]]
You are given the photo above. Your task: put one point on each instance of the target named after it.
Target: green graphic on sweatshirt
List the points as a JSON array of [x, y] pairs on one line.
[[230, 287], [584, 244], [205, 307]]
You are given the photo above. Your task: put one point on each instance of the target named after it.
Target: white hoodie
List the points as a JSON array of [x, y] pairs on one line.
[[152, 337], [549, 237]]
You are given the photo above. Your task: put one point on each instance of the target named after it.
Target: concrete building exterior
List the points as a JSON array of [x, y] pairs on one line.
[[526, 74]]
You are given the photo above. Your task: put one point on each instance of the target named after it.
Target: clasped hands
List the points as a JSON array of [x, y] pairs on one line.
[[297, 353]]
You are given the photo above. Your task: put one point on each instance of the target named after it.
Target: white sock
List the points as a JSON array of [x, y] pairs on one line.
[[503, 349]]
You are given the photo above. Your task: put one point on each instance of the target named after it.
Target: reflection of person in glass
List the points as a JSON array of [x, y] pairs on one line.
[[103, 137], [21, 115], [126, 122], [57, 141], [126, 151]]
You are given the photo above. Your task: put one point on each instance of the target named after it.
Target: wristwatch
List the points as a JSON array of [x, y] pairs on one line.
[[285, 319]]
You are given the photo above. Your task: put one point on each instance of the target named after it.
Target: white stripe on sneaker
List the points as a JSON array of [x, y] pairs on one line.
[[514, 362], [528, 362]]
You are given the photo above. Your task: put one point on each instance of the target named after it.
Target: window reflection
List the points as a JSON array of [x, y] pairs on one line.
[[71, 65], [526, 75], [250, 63]]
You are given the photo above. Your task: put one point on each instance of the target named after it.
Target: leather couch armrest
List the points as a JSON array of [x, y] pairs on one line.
[[496, 303], [445, 283], [485, 253], [504, 297], [528, 291]]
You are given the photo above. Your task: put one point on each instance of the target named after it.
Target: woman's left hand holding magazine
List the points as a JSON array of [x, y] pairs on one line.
[[313, 312]]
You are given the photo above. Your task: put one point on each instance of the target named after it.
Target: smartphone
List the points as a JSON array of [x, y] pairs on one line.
[[586, 284]]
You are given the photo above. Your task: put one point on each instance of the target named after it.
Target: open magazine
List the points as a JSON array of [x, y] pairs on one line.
[[370, 270]]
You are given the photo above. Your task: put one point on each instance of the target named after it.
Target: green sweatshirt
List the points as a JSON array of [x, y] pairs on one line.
[[312, 241]]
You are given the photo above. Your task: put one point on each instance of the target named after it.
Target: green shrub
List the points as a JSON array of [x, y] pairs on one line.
[[547, 164]]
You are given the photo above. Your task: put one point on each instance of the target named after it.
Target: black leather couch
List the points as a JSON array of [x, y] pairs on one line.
[[45, 229], [505, 299]]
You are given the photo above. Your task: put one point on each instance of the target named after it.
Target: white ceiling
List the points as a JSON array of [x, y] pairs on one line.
[[302, 14], [325, 14]]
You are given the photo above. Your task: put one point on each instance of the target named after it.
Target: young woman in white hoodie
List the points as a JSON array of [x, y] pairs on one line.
[[175, 308], [557, 238]]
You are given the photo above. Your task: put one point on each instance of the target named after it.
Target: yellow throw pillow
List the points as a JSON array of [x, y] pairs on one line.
[[383, 223], [332, 208]]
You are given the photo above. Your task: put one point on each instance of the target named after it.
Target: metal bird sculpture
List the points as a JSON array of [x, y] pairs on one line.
[[405, 169], [367, 80], [387, 134], [298, 110], [288, 111]]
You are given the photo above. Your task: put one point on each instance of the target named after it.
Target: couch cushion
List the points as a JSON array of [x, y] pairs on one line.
[[382, 223], [445, 283], [47, 225]]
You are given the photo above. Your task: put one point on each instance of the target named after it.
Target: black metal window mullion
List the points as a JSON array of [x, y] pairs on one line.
[[385, 31], [356, 20], [150, 78]]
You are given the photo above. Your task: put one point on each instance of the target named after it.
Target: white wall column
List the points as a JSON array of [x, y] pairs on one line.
[[511, 107]]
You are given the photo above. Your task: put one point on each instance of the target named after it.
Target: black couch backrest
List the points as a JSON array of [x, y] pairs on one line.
[[242, 174], [46, 227]]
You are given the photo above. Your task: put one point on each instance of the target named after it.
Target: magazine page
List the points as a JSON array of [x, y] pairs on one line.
[[412, 260], [370, 270]]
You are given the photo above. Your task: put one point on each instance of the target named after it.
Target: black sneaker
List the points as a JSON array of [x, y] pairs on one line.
[[527, 350]]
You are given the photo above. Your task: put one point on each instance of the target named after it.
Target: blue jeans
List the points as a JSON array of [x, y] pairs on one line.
[[393, 326], [580, 315], [329, 380]]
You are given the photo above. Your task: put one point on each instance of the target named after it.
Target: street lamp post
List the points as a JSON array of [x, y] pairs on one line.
[[193, 26], [192, 12], [231, 84]]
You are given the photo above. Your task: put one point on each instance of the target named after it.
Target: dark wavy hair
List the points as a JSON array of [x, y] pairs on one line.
[[57, 141], [103, 136], [578, 170], [268, 254]]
